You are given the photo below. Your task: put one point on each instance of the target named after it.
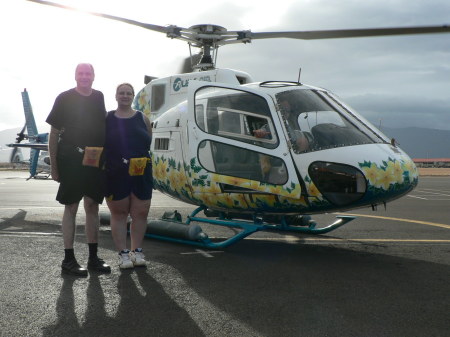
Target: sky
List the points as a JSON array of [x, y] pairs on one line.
[[399, 81]]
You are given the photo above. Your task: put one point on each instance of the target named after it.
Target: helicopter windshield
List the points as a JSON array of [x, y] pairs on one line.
[[313, 124]]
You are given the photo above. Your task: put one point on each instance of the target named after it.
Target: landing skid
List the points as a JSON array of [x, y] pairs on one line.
[[188, 233], [39, 176]]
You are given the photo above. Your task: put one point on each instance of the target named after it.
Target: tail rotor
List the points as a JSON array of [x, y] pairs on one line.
[[16, 154]]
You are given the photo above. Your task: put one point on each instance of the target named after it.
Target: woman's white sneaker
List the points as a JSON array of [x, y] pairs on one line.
[[138, 258], [125, 260]]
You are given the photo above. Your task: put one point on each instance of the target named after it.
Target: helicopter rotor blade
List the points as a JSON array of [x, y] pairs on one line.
[[344, 33], [207, 36], [171, 31], [21, 136]]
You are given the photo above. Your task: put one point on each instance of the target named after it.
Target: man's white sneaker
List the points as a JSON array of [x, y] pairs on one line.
[[138, 258], [125, 260]]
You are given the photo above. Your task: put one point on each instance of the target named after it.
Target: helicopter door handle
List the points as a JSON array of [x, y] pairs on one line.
[[194, 133]]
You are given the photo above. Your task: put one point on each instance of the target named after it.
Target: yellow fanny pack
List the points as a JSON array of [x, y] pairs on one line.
[[137, 166], [92, 156]]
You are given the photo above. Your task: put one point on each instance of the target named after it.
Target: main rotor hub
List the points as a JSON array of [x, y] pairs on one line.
[[208, 29]]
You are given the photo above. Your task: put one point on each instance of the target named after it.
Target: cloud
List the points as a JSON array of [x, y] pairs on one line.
[[42, 53]]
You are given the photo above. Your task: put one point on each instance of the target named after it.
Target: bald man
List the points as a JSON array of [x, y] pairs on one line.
[[76, 139]]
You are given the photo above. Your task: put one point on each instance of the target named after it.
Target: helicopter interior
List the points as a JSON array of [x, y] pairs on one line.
[[309, 113]]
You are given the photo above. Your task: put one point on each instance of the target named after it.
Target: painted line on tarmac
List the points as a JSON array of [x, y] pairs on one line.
[[398, 219], [435, 192], [291, 238], [413, 196], [27, 234], [11, 208], [203, 253]]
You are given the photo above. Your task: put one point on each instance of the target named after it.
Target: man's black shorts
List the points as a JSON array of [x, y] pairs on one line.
[[77, 181]]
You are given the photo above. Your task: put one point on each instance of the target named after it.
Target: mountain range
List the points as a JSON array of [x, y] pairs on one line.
[[420, 142], [416, 142]]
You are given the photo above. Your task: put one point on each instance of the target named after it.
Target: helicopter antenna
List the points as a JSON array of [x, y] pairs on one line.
[[299, 73]]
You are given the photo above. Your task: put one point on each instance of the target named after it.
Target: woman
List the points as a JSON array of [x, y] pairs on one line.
[[128, 175]]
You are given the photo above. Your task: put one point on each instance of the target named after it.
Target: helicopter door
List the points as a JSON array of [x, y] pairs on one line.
[[237, 137]]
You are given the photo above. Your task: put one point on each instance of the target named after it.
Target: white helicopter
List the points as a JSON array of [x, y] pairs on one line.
[[266, 155]]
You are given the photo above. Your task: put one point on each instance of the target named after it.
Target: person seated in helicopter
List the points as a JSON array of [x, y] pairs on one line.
[[301, 143], [262, 132], [264, 160], [299, 140]]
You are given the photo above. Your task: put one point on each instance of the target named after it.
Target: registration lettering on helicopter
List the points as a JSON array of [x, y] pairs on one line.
[[180, 84]]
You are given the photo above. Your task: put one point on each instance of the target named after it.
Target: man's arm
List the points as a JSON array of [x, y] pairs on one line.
[[263, 132], [53, 149]]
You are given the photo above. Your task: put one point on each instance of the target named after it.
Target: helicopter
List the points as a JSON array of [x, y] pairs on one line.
[[261, 156], [39, 162]]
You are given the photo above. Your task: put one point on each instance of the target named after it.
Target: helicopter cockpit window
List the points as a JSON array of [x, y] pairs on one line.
[[243, 163], [235, 114], [314, 124]]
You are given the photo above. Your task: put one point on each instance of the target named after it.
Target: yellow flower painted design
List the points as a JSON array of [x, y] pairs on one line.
[[208, 199], [143, 102], [384, 178], [313, 191], [392, 173], [291, 201], [269, 200], [235, 181], [411, 168], [295, 193], [371, 173], [226, 199], [274, 189], [160, 170], [213, 188], [395, 168], [177, 179]]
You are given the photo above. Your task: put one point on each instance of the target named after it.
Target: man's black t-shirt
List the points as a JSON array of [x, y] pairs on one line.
[[81, 119]]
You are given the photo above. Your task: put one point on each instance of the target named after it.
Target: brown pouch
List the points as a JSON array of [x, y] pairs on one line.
[[137, 166], [92, 156]]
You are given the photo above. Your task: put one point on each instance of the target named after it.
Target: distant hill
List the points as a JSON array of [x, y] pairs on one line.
[[421, 142], [6, 137]]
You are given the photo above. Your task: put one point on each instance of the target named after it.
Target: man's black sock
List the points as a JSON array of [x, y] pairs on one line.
[[69, 255], [92, 250]]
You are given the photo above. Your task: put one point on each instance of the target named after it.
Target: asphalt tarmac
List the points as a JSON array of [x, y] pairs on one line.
[[387, 273]]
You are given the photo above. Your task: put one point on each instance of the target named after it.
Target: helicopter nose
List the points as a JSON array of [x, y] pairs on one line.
[[390, 179], [368, 182]]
